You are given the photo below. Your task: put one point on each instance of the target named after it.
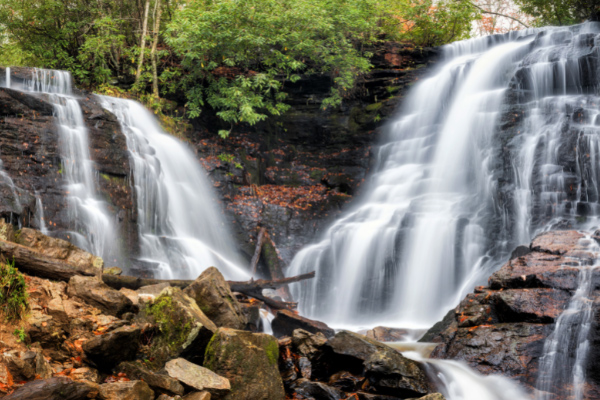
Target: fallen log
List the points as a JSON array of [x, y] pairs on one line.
[[131, 282], [33, 263], [267, 284]]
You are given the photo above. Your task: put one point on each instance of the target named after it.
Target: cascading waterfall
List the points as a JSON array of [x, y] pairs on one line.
[[7, 81], [498, 145], [92, 227], [181, 231]]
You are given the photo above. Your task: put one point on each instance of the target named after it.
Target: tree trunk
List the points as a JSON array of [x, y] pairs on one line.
[[138, 73], [259, 244], [157, 12]]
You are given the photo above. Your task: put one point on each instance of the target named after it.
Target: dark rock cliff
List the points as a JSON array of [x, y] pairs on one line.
[[294, 174], [32, 164]]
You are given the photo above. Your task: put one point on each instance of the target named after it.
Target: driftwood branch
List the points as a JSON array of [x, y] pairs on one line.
[[268, 284], [259, 245]]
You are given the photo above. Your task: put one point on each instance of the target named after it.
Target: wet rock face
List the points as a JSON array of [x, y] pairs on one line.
[[295, 174], [31, 160], [502, 328], [347, 365]]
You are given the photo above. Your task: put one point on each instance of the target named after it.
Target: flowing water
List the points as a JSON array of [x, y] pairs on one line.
[[92, 227], [498, 144], [562, 367], [181, 230]]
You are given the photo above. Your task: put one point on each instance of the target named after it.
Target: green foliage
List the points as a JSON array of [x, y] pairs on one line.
[[560, 12], [233, 56], [238, 54], [20, 334], [13, 292]]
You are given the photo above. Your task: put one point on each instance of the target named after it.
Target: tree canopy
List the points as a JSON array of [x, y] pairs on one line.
[[234, 56]]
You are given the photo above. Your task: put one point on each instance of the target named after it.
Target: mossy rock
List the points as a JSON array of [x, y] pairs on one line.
[[249, 361], [184, 330], [213, 295]]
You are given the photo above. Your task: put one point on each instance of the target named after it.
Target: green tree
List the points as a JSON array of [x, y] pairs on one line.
[[560, 12]]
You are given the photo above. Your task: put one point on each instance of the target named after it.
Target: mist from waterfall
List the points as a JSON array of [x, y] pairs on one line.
[[473, 166]]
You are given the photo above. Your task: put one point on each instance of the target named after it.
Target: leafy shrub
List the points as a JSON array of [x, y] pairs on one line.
[[13, 292]]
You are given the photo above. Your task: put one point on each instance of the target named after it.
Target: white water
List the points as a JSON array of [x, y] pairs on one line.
[[444, 208], [92, 227], [7, 81], [181, 230], [562, 367], [265, 319]]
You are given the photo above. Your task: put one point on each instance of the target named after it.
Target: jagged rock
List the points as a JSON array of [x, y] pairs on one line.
[[85, 373], [249, 361], [502, 328], [198, 396], [132, 390], [53, 389], [44, 329], [59, 249], [385, 334], [214, 297], [42, 367], [346, 381], [385, 368], [184, 329], [158, 382], [308, 344], [286, 322], [198, 377], [317, 390], [108, 350], [19, 369], [96, 293]]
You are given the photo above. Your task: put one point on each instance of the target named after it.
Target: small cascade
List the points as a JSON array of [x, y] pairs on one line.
[[39, 210], [181, 231], [497, 145], [561, 369], [7, 81], [456, 380], [265, 321], [92, 227]]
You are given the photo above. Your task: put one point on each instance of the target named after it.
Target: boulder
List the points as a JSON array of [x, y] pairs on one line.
[[109, 349], [308, 344], [19, 369], [286, 322], [198, 377], [214, 297], [385, 368], [317, 390], [433, 396], [55, 388], [385, 334], [131, 390], [85, 373], [59, 249], [158, 382], [96, 293], [198, 396], [249, 361], [501, 328], [184, 329]]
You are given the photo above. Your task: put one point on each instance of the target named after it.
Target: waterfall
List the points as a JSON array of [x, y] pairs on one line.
[[181, 230], [498, 144], [7, 81], [92, 227], [565, 350]]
